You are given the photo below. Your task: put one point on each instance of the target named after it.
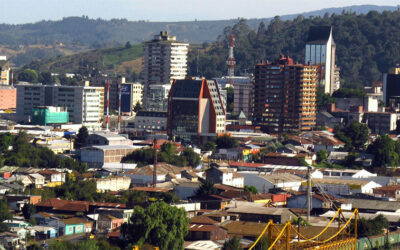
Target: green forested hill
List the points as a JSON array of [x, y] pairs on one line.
[[367, 45], [120, 59]]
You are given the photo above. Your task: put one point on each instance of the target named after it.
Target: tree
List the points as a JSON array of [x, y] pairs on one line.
[[383, 149], [232, 244], [354, 135], [206, 188], [46, 78], [192, 157], [323, 99], [28, 75], [81, 138], [209, 146], [159, 225], [137, 107], [4, 214], [348, 93], [322, 155], [369, 227], [226, 141], [28, 210], [250, 189], [128, 45], [300, 220], [262, 244]]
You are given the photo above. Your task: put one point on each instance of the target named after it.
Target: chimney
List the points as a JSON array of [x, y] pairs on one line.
[[331, 107]]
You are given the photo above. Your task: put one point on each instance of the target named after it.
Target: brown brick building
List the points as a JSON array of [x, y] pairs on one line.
[[8, 97], [285, 96]]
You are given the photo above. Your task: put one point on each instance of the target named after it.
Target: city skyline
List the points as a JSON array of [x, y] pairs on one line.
[[24, 11]]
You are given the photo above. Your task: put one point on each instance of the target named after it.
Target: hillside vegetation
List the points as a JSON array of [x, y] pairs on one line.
[[125, 59], [366, 45]]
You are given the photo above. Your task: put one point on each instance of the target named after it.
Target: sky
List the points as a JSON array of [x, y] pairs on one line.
[[26, 11]]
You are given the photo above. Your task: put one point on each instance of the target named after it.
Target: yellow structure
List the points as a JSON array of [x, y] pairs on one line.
[[342, 239], [394, 71]]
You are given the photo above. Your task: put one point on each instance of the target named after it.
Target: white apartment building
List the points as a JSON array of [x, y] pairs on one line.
[[321, 51], [137, 93], [164, 60], [85, 104], [158, 97]]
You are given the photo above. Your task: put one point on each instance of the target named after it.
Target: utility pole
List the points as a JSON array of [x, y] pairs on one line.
[[155, 163], [308, 193]]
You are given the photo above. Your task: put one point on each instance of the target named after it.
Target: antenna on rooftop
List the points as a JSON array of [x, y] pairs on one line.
[[231, 60], [108, 104], [155, 163]]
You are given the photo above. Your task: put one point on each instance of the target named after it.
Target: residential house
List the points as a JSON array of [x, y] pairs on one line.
[[353, 173], [43, 232], [108, 222], [7, 171], [4, 189], [191, 208], [206, 232], [21, 178], [113, 183], [52, 177], [249, 211], [124, 214], [390, 191], [107, 138], [186, 189], [144, 176], [264, 182], [231, 154], [56, 205], [11, 241], [224, 176], [319, 202], [342, 186], [21, 231], [72, 226], [38, 180], [16, 223], [323, 140], [374, 205]]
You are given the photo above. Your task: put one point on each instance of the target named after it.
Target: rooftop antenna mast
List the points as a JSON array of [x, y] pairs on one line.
[[155, 163], [231, 60], [108, 105]]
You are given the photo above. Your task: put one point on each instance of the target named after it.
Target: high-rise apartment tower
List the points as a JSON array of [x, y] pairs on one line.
[[164, 60], [285, 96]]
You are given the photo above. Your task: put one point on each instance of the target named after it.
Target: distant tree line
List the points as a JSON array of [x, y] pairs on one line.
[[16, 150], [365, 44]]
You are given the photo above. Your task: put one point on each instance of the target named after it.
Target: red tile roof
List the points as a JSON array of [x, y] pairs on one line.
[[246, 164], [152, 189], [226, 187], [77, 206], [388, 188], [202, 219], [202, 228]]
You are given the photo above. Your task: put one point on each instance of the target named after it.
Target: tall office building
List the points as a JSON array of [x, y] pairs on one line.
[[321, 51], [164, 60], [195, 110], [285, 96], [84, 104], [391, 85]]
